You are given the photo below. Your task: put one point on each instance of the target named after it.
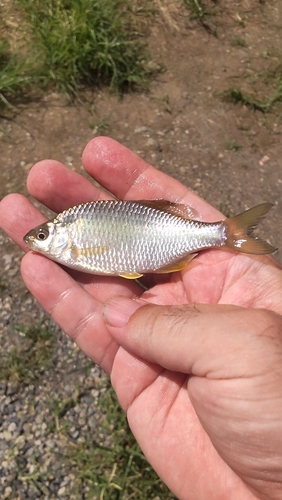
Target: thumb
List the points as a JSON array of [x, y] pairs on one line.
[[221, 341]]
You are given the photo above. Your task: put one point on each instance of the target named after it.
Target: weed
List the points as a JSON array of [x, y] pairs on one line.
[[163, 103], [118, 469], [60, 407], [13, 74], [2, 285], [84, 42], [265, 54], [33, 355], [240, 20], [236, 95], [244, 127], [232, 145], [198, 10], [201, 12], [102, 127], [238, 42]]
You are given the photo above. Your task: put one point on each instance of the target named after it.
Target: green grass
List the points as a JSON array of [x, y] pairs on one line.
[[202, 12], [101, 127], [2, 285], [117, 470], [236, 95], [13, 73], [106, 464], [232, 145], [238, 42], [85, 42], [25, 362], [73, 44], [198, 9]]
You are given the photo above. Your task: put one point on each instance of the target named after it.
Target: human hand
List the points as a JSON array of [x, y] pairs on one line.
[[150, 385]]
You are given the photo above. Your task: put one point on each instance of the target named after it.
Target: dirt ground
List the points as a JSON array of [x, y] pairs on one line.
[[228, 153]]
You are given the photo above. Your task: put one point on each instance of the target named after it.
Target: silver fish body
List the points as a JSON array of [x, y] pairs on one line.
[[126, 238]]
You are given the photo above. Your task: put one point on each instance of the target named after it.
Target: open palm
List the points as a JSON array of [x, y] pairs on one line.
[[162, 417]]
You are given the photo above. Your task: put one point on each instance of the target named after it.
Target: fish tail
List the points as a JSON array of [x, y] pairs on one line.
[[240, 228]]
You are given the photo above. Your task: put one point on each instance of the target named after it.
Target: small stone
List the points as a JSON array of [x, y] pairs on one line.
[[264, 159], [20, 441], [38, 419], [12, 388], [8, 258], [27, 427], [62, 491], [139, 130], [7, 435], [50, 443], [32, 468], [75, 434], [12, 427], [8, 492], [69, 160], [92, 422], [13, 272], [152, 143]]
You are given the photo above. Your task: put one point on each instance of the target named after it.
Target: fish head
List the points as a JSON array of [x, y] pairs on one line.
[[49, 238]]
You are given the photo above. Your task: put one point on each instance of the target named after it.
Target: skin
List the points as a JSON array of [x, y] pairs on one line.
[[196, 361]]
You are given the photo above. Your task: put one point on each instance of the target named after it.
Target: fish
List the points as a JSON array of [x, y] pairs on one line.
[[133, 238]]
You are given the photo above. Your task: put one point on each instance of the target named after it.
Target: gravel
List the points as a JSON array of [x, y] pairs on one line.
[[34, 436]]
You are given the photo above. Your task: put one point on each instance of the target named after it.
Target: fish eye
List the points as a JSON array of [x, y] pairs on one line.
[[42, 234]]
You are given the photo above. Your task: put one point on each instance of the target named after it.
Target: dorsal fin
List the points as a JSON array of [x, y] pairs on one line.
[[177, 209]]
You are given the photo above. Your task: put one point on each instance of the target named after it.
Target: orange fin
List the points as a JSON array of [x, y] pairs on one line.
[[176, 266], [177, 209], [77, 252], [131, 276], [240, 228]]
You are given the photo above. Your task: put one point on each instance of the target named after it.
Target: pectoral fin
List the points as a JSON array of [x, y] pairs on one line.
[[176, 266]]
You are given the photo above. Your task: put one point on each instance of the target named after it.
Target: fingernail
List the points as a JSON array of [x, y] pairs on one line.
[[118, 311]]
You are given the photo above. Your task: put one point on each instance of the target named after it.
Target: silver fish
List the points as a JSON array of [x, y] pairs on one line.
[[131, 238]]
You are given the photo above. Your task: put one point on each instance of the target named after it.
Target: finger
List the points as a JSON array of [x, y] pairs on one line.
[[71, 306], [18, 216], [126, 175], [219, 341], [58, 187]]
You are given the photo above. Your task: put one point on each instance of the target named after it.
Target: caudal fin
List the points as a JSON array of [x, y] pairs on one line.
[[240, 228]]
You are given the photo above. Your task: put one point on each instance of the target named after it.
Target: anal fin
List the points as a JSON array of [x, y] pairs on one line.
[[131, 276], [176, 266]]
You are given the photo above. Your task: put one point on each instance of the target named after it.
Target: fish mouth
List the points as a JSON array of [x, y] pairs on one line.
[[29, 241]]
